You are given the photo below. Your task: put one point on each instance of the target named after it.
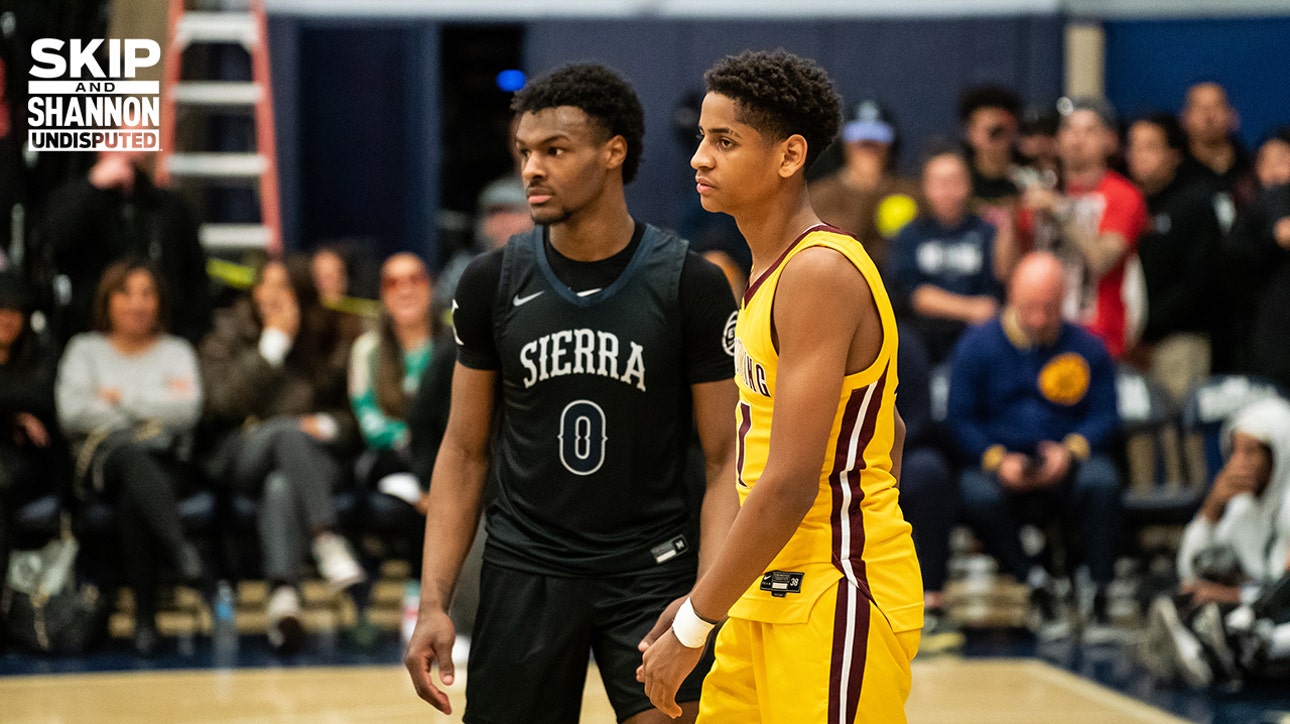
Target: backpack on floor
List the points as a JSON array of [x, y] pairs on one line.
[[43, 607]]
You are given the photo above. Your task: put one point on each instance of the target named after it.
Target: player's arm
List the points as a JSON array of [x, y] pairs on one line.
[[897, 447], [457, 482], [714, 403], [813, 352], [456, 492]]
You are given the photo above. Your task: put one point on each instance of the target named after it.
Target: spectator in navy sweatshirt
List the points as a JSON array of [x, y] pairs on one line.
[[1032, 407], [942, 263]]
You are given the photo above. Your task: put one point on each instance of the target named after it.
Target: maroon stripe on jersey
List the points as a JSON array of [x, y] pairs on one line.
[[841, 453], [850, 653], [745, 424], [752, 288], [857, 517]]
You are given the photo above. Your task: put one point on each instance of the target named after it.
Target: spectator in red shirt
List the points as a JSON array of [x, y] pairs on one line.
[[1093, 223]]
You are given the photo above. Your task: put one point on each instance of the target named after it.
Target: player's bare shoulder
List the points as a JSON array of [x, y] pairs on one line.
[[823, 274]]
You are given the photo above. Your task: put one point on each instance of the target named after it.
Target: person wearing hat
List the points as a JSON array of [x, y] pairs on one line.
[[30, 446], [1093, 223], [865, 197], [503, 211]]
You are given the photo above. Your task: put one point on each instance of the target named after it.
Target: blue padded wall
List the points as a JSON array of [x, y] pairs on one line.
[[1149, 65], [917, 67]]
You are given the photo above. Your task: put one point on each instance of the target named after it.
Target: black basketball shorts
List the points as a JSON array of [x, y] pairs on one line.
[[533, 633]]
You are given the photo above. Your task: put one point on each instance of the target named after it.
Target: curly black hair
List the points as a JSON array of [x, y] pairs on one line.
[[1168, 124], [988, 96], [780, 94], [602, 94]]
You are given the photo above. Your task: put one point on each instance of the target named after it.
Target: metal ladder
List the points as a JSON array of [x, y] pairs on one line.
[[246, 28]]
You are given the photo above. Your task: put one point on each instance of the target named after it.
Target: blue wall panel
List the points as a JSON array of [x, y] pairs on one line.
[[916, 67], [357, 132], [360, 135], [1149, 65]]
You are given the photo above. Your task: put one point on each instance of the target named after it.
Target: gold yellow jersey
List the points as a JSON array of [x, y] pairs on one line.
[[855, 528]]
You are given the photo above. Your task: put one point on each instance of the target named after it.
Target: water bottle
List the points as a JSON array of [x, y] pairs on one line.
[[224, 624], [411, 602]]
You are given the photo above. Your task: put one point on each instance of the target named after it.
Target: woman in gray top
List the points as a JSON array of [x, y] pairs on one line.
[[126, 394]]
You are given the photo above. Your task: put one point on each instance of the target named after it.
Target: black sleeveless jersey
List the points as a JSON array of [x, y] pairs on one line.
[[595, 416]]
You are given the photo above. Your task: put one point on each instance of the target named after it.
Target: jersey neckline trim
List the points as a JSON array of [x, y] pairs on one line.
[[752, 288], [562, 290]]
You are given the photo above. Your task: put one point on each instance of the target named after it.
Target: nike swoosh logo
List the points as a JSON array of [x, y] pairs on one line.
[[518, 300]]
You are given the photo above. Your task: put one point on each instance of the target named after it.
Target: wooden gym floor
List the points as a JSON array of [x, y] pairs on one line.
[[946, 691]]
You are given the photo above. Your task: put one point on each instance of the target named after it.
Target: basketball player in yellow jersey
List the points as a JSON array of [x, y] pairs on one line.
[[817, 581]]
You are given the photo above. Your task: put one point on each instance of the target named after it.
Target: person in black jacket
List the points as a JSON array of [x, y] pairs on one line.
[[31, 453], [1257, 260], [117, 212], [281, 429], [1177, 253]]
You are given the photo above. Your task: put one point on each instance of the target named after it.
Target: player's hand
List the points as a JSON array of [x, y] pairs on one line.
[[431, 642], [661, 626], [664, 666]]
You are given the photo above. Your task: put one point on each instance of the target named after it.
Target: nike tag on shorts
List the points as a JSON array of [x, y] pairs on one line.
[[664, 552], [782, 583]]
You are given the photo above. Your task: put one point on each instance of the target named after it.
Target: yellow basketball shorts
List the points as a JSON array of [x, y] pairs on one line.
[[843, 665]]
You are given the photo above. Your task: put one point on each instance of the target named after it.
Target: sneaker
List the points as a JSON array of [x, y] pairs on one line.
[[1168, 637], [336, 562], [188, 562], [146, 640], [286, 634], [1046, 616], [940, 634], [1100, 631], [1208, 625], [1154, 646]]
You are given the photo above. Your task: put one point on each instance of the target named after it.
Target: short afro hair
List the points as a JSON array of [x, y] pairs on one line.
[[988, 96], [602, 94], [1168, 124], [780, 94]]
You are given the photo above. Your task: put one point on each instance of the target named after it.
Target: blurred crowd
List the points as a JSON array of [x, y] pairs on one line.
[[1043, 256]]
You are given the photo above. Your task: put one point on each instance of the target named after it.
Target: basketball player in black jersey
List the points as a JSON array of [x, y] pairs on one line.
[[596, 342]]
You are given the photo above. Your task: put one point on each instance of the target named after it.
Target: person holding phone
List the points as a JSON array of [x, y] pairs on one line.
[[1032, 402]]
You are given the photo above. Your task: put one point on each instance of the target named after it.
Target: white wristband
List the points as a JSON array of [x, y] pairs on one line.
[[690, 630]]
